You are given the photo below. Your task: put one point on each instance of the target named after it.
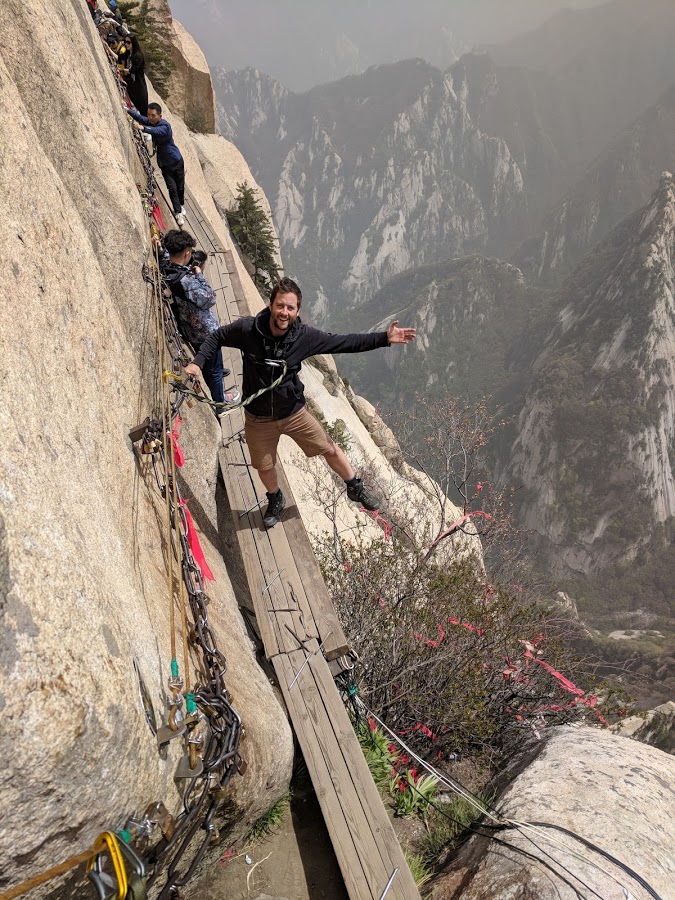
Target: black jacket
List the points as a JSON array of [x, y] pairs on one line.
[[260, 350]]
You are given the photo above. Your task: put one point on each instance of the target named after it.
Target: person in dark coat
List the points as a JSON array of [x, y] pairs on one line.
[[169, 157], [273, 346], [137, 87]]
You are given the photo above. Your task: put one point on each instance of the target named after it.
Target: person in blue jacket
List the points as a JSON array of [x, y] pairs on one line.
[[169, 157]]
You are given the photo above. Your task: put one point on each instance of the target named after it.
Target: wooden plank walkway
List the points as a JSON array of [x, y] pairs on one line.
[[300, 633]]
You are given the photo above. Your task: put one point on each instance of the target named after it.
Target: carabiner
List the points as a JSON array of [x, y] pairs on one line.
[[106, 841]]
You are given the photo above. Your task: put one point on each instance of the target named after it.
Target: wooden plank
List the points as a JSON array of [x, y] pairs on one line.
[[295, 597], [333, 812], [286, 557], [237, 287], [364, 787], [372, 853], [364, 792], [272, 599], [251, 563], [330, 628]]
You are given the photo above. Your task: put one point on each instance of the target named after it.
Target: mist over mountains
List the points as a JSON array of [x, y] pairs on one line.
[[303, 44], [405, 164]]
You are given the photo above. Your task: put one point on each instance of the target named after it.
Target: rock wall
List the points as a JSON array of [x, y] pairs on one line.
[[190, 94], [83, 573]]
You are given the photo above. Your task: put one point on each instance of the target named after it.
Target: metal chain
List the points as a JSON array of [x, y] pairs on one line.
[[220, 757], [220, 754]]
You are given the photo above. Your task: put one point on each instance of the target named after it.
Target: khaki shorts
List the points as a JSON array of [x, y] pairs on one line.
[[263, 433]]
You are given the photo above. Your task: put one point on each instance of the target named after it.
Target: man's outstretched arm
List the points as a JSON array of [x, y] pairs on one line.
[[325, 342]]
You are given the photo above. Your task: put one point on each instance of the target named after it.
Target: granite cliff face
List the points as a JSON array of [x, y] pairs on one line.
[[596, 433], [468, 313], [574, 768]]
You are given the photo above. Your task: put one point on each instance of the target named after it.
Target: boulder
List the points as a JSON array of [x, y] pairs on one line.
[[191, 92], [656, 727], [82, 555], [616, 794]]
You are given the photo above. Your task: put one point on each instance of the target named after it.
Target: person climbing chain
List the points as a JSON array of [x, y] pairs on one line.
[[169, 157], [274, 337]]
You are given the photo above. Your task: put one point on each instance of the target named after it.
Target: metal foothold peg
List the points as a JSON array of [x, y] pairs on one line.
[[166, 734], [183, 769]]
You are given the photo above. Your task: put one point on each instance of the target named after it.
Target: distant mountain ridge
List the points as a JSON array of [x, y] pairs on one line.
[[468, 313], [371, 175], [595, 447]]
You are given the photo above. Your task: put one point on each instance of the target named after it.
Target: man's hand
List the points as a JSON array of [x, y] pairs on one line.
[[137, 125], [397, 335], [192, 369]]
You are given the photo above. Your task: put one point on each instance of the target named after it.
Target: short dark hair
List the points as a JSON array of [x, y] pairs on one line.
[[155, 106], [176, 241], [287, 286]]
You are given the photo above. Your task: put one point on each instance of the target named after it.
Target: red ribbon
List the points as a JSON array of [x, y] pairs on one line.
[[433, 644], [424, 729], [456, 525], [375, 515], [195, 546], [178, 455], [157, 215]]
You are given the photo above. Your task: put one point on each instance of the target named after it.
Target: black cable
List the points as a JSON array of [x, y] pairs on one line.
[[540, 862], [591, 846], [557, 863], [476, 830]]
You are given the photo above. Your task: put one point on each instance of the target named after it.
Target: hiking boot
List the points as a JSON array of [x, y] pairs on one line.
[[232, 398], [180, 219], [274, 509], [359, 493]]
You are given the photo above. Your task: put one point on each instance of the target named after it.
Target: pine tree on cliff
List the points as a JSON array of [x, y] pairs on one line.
[[253, 232]]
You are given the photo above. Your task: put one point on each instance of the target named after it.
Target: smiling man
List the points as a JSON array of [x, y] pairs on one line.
[[275, 337]]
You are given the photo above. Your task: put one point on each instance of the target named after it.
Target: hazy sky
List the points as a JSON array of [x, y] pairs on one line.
[[306, 42]]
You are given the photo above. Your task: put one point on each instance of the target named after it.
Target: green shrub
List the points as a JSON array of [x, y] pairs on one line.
[[378, 751], [418, 869], [269, 822]]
